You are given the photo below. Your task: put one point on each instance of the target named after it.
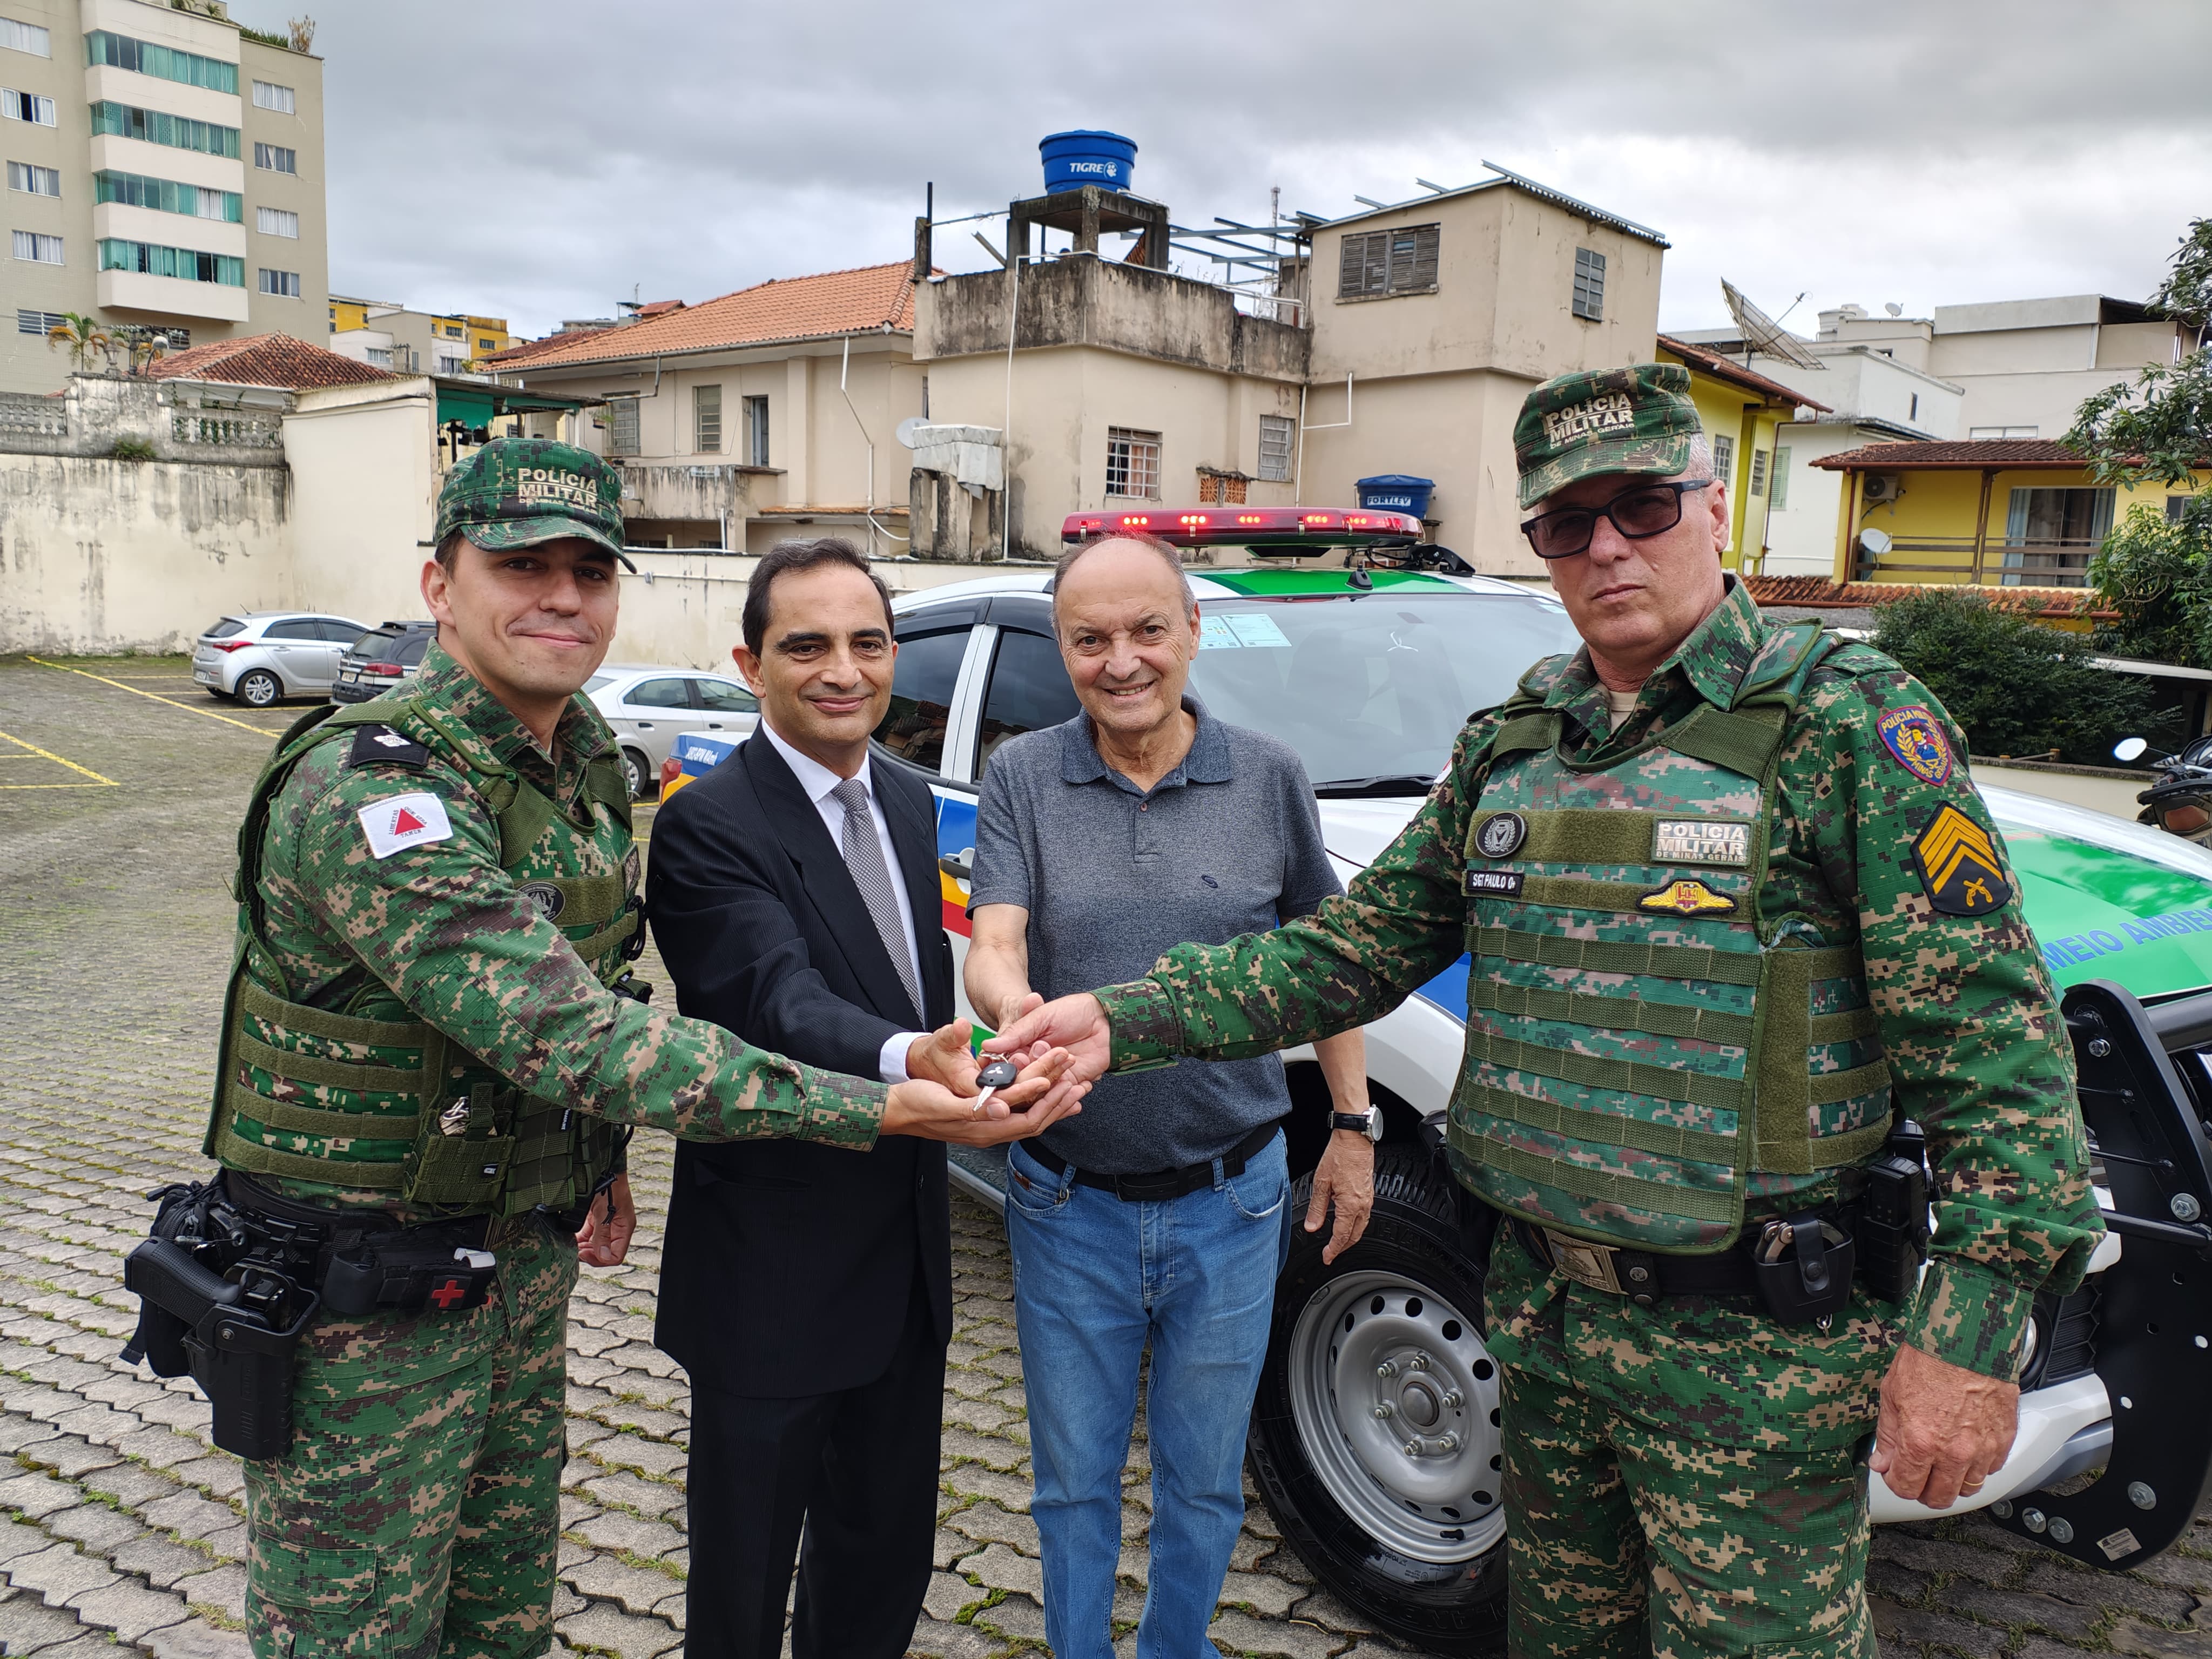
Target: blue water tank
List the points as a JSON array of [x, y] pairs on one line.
[[1397, 492], [1072, 160]]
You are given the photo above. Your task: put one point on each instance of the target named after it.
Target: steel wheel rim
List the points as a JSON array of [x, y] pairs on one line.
[[1439, 1505]]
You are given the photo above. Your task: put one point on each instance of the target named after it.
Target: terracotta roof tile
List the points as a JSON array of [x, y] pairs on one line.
[[788, 308], [276, 360], [530, 349], [1819, 593], [1977, 452], [1712, 363]]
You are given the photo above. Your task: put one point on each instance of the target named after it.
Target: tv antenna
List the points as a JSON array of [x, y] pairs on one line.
[[1763, 333]]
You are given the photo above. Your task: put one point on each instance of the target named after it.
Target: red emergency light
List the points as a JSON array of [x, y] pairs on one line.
[[1207, 525]]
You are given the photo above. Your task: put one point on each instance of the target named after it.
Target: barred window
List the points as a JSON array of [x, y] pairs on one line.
[[706, 419], [276, 221], [1589, 285], [35, 181], [276, 158], [41, 250], [1278, 433], [1376, 263], [26, 106], [1132, 463], [284, 283]]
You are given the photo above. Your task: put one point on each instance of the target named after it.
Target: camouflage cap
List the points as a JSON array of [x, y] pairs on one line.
[[1638, 420], [518, 492]]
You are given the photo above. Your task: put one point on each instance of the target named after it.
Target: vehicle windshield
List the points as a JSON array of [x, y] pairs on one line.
[[1371, 689]]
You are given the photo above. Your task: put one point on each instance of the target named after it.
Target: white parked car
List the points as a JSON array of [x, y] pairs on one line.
[[649, 705], [261, 657]]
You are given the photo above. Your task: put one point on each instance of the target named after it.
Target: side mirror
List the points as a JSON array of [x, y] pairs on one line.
[[2129, 749]]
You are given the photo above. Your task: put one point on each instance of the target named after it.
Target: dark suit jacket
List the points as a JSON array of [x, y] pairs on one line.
[[788, 1267]]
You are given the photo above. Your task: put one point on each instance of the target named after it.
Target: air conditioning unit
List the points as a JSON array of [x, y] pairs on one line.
[[1883, 486]]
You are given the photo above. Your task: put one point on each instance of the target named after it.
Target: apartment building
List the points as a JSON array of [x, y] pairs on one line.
[[387, 335], [164, 175]]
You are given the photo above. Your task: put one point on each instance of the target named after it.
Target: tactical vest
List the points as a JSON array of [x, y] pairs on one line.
[[1646, 1047], [368, 1097]]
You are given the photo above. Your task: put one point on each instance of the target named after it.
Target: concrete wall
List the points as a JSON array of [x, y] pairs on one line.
[[104, 556], [365, 472]]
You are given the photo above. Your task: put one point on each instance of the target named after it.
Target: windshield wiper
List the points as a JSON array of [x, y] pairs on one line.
[[1383, 783]]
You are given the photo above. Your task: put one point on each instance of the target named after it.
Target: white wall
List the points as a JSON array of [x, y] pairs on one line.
[[103, 555], [365, 483]]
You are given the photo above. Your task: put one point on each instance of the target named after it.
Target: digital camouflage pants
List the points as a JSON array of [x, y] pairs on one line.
[[1682, 1481], [417, 1512]]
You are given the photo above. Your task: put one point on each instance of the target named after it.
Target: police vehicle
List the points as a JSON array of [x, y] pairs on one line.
[[1369, 672]]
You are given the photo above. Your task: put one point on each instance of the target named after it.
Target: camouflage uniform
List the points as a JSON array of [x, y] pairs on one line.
[[416, 1511], [1689, 1477]]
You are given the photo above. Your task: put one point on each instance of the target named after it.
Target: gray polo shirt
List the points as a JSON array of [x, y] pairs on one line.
[[1227, 843]]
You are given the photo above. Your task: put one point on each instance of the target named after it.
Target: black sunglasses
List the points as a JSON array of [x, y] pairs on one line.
[[1646, 510]]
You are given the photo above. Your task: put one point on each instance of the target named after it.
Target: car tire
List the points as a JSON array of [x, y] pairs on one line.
[[1415, 1544], [257, 688], [638, 777]]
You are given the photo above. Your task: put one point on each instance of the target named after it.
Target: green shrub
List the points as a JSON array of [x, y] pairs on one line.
[[132, 449], [2155, 574], [2015, 686]]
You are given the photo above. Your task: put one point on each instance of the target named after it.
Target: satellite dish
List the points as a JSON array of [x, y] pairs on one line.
[[1875, 542], [1893, 308], [1762, 333], [905, 431]]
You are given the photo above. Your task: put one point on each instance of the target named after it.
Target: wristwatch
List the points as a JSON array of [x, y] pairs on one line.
[[1368, 1123]]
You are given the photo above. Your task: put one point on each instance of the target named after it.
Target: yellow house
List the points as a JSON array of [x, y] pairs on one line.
[[2010, 512], [1741, 411]]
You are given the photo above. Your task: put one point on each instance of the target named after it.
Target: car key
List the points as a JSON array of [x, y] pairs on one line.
[[994, 1076]]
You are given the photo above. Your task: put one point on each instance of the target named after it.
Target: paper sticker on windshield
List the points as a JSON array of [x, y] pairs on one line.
[[1214, 634], [1915, 738], [1700, 841]]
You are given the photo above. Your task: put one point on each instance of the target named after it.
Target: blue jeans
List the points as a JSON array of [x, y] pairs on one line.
[[1095, 1279]]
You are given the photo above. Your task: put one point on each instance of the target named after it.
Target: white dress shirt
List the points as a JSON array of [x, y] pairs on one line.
[[817, 781]]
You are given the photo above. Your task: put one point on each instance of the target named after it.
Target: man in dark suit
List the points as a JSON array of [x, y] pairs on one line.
[[807, 1290]]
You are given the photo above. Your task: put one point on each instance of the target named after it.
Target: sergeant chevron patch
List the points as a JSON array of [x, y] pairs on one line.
[[1959, 866]]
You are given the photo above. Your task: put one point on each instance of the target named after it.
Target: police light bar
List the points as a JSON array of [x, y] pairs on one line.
[[1201, 527]]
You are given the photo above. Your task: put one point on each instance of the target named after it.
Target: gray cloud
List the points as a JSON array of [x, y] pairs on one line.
[[541, 158]]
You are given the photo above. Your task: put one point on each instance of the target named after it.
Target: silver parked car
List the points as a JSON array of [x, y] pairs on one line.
[[648, 705], [261, 656]]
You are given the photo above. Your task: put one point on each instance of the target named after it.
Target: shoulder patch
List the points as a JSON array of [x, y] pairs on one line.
[[1915, 739], [1959, 866], [375, 743], [399, 822]]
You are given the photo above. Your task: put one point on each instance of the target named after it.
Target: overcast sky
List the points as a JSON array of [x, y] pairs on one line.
[[543, 159]]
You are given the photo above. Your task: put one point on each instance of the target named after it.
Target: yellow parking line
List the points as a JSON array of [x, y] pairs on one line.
[[258, 731], [98, 782]]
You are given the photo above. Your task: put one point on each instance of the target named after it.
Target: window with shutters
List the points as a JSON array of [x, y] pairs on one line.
[[1276, 434], [624, 439], [1781, 500], [45, 322], [706, 419], [1589, 285], [1132, 463], [1758, 472], [1377, 263]]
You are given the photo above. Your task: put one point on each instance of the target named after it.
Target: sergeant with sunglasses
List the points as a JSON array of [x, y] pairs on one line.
[[1740, 939]]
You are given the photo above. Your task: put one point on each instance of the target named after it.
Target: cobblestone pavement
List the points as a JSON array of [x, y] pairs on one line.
[[119, 1524]]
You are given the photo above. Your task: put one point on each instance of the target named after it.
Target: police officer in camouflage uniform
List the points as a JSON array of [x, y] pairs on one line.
[[429, 1040], [1731, 902]]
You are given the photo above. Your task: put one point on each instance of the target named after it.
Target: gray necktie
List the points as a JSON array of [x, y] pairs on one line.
[[863, 857]]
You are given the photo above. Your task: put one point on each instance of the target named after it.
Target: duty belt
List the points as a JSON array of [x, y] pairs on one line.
[[1799, 1265]]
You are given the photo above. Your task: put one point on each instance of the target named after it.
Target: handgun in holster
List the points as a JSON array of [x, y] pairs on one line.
[[1891, 1225]]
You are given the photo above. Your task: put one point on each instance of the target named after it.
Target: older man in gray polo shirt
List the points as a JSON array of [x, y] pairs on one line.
[[1161, 1216]]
